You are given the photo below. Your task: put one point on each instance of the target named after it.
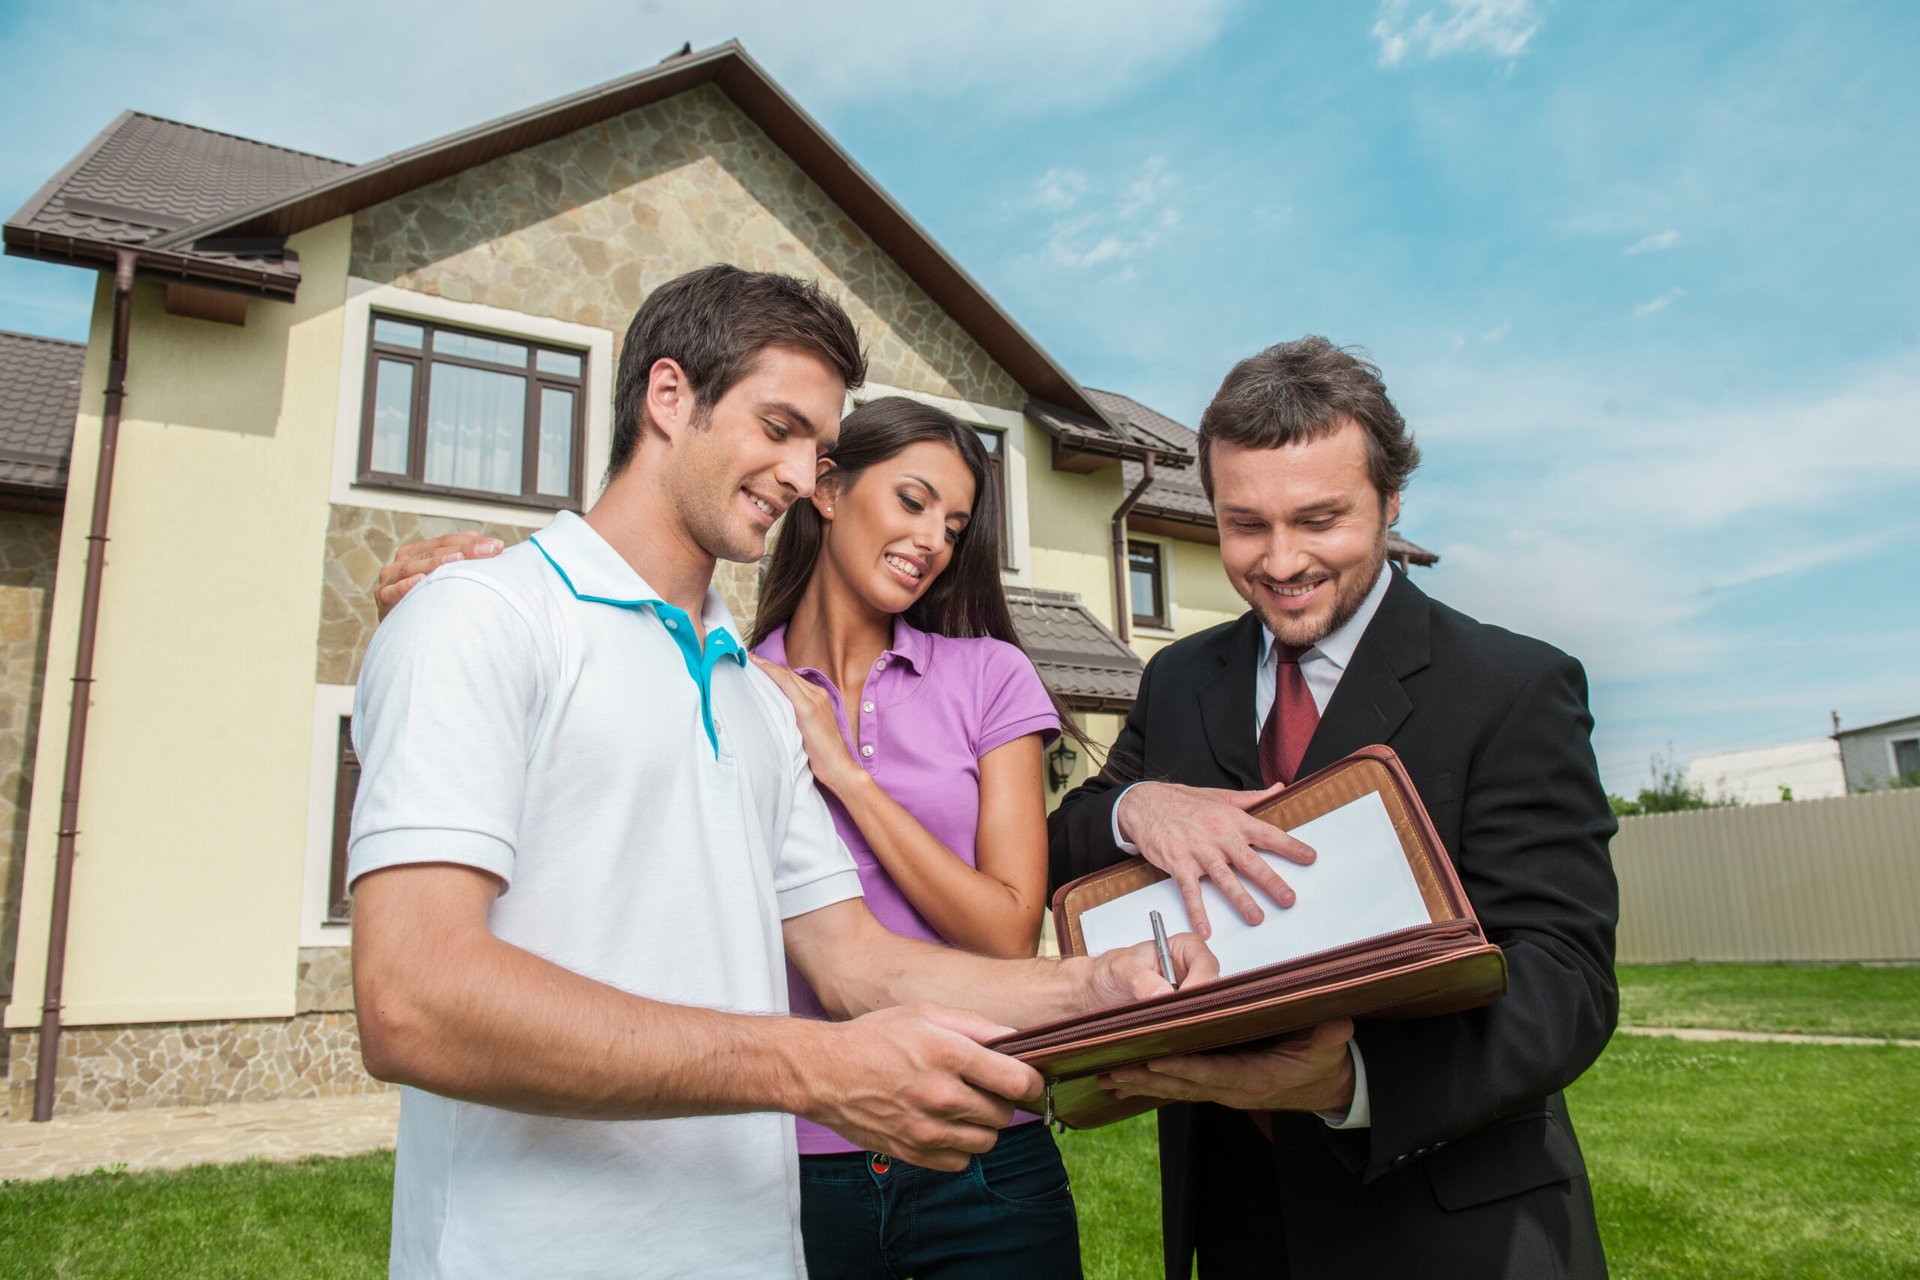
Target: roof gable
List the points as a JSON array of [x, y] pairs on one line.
[[199, 240]]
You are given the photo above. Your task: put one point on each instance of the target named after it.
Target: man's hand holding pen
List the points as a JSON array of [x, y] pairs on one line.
[[1126, 974]]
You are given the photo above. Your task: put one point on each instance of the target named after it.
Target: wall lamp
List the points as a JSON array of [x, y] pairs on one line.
[[1060, 762]]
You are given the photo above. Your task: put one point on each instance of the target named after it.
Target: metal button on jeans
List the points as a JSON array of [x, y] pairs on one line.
[[879, 1163]]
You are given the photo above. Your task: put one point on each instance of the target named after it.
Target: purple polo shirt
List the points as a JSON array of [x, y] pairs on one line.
[[932, 706]]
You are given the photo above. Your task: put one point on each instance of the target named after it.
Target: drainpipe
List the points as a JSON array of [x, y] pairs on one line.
[[124, 262], [1122, 613]]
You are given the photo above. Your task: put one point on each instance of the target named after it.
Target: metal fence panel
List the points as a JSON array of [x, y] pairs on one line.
[[1813, 880]]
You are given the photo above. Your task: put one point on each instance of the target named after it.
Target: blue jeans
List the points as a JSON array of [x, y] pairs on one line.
[[1009, 1213]]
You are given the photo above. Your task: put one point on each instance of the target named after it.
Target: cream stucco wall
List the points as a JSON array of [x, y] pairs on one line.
[[1070, 519], [1197, 588], [187, 888]]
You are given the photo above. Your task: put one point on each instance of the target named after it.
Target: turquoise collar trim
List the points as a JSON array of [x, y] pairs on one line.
[[721, 643]]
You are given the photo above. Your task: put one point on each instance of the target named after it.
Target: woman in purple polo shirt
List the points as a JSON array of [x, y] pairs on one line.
[[883, 619]]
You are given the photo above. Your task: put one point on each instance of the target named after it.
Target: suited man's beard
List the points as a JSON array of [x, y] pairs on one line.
[[1304, 629]]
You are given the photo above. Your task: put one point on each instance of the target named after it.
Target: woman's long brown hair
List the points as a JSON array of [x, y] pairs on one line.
[[967, 599]]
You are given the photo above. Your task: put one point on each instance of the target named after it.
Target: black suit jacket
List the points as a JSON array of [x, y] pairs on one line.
[[1470, 1167]]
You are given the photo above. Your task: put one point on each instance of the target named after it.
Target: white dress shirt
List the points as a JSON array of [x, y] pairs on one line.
[[1322, 666]]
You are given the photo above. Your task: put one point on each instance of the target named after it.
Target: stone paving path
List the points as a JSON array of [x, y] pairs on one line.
[[171, 1137]]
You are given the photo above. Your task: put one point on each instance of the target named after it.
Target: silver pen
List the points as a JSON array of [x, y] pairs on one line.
[[1160, 946]]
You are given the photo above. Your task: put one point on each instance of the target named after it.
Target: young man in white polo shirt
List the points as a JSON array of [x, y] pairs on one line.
[[586, 837]]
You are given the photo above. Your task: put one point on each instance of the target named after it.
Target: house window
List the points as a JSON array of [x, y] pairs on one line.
[[996, 446], [1147, 584], [472, 415], [1906, 758], [346, 782]]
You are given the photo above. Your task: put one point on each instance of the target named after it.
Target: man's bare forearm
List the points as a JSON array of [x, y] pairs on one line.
[[472, 1017], [855, 965], [1017, 993]]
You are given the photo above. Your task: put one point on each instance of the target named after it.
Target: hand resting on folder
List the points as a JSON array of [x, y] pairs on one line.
[[1206, 835], [1358, 886]]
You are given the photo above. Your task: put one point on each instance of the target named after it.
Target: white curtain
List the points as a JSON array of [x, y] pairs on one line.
[[476, 428]]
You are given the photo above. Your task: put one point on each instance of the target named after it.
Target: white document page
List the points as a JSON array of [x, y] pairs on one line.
[[1359, 886]]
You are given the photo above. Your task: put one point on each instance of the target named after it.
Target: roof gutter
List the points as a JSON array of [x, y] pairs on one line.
[[50, 246], [125, 260], [1122, 614]]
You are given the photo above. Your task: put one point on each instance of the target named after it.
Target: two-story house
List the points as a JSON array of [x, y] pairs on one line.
[[297, 364]]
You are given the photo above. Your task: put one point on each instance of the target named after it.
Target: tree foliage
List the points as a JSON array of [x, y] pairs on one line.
[[1667, 791]]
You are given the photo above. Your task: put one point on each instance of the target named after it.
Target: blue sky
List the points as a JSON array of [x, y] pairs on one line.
[[1643, 277]]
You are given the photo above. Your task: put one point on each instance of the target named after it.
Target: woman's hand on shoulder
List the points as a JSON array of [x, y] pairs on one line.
[[832, 763], [413, 562]]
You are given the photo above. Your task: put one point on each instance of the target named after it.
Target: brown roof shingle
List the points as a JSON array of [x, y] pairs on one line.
[[1079, 659], [39, 396], [144, 178]]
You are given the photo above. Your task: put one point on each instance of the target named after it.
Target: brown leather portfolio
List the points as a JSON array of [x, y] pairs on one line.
[[1443, 966]]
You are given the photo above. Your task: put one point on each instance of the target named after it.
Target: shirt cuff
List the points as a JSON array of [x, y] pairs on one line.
[[1126, 845], [1359, 1113]]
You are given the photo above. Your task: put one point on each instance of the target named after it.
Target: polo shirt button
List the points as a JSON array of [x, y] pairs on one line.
[[867, 750], [880, 664], [867, 706], [672, 625]]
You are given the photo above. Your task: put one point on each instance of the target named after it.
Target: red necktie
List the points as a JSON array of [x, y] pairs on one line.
[[1289, 727], [1283, 740]]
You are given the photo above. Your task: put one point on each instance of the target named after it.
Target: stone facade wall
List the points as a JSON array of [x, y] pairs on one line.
[[361, 539], [29, 550], [192, 1064], [324, 981], [584, 227]]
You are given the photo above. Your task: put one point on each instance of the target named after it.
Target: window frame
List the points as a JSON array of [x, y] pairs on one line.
[[997, 472], [421, 361], [1163, 620], [1893, 756], [346, 784]]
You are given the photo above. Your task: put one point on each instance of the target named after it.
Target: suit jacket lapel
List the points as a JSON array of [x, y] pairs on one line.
[[1369, 705], [1226, 704]]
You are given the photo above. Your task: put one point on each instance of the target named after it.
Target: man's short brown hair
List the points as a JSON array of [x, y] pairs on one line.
[[714, 323], [1303, 390]]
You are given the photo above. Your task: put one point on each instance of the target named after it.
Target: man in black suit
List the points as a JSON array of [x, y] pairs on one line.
[[1438, 1147]]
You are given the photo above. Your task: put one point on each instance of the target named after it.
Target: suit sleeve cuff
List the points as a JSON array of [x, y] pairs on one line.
[[1359, 1113], [1126, 846]]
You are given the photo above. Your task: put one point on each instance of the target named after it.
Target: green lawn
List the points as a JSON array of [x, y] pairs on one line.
[[317, 1218], [1841, 999], [1709, 1160], [1737, 1160]]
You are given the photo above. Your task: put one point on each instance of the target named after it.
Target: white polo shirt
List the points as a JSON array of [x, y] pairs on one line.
[[646, 804]]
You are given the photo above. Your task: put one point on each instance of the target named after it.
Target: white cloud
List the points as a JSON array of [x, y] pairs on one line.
[[337, 92], [1805, 559], [1654, 306], [1500, 28], [1117, 230], [1498, 333], [1620, 534], [1146, 190], [1060, 189], [1654, 243]]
